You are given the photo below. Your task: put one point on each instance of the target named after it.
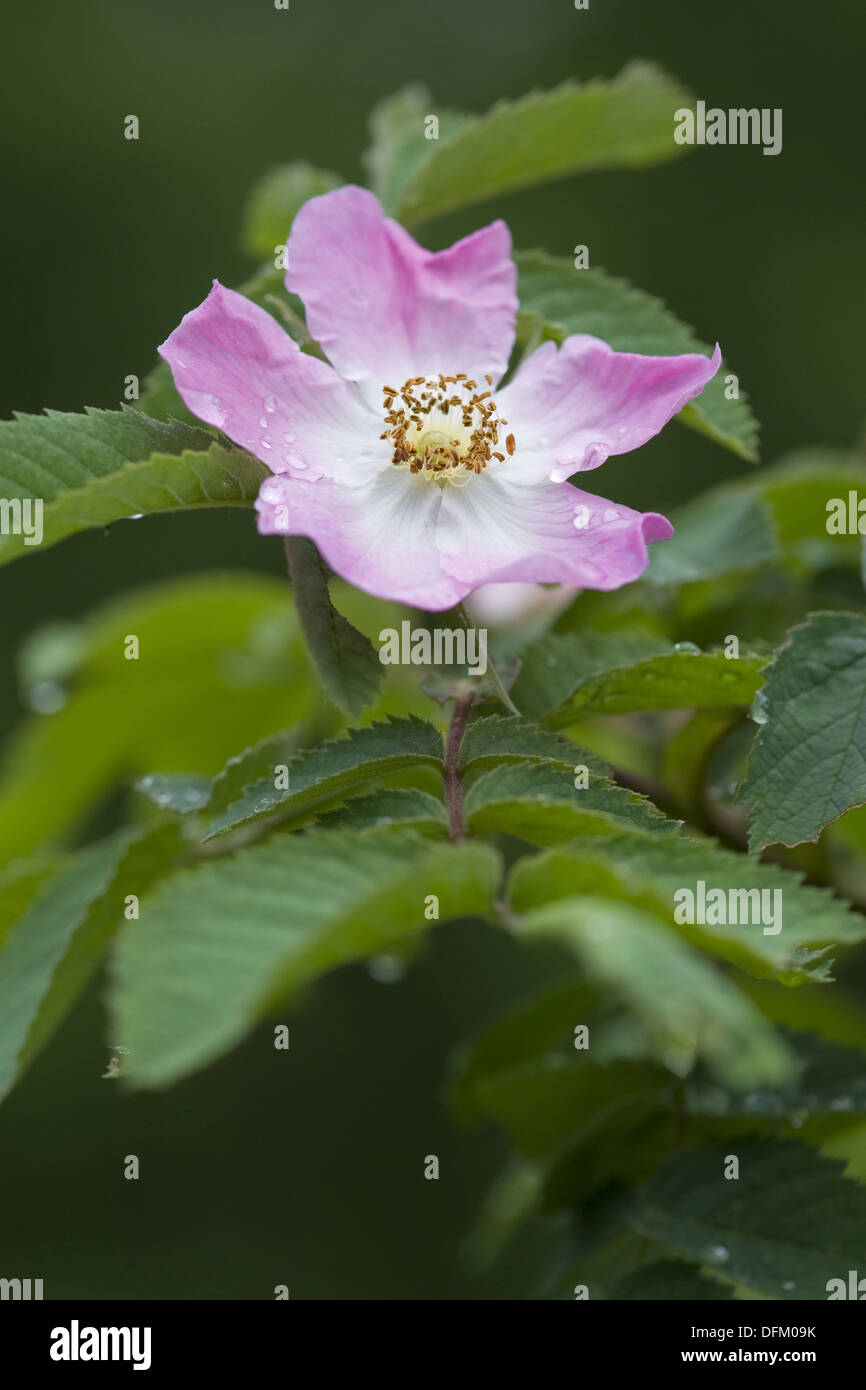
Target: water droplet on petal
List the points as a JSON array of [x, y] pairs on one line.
[[292, 461], [270, 404], [581, 517], [288, 437], [265, 444], [263, 422]]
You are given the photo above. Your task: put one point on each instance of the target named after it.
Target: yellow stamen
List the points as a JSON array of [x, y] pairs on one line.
[[462, 442]]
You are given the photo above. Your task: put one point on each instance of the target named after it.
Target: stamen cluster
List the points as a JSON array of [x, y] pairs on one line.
[[444, 428]]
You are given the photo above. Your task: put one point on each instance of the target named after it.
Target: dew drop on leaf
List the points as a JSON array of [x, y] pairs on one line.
[[716, 1254], [386, 970], [46, 697], [842, 1103], [758, 712]]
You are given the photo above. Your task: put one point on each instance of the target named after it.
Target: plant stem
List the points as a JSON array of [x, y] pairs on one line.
[[453, 780], [492, 674], [499, 688]]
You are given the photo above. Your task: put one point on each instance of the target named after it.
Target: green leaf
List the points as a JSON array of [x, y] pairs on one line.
[[217, 943], [275, 200], [540, 804], [54, 948], [497, 739], [557, 1101], [92, 469], [670, 1281], [830, 1081], [527, 1034], [808, 763], [568, 676], [216, 477], [835, 1015], [445, 683], [344, 660], [589, 301], [553, 1104], [399, 143], [219, 642], [648, 870], [176, 791], [389, 808], [797, 490], [689, 1009], [788, 1225], [553, 665], [246, 792], [508, 1202], [714, 537], [624, 123], [687, 755], [778, 512], [20, 882]]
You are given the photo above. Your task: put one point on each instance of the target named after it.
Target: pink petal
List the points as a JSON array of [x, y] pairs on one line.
[[514, 605], [385, 309], [235, 368], [382, 537], [570, 409], [495, 531]]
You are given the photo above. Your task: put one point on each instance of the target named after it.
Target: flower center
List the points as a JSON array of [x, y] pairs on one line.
[[444, 428]]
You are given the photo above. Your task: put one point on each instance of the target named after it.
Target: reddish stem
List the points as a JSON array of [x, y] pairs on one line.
[[453, 780]]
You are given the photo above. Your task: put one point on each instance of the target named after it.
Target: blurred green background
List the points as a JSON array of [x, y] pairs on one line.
[[306, 1168]]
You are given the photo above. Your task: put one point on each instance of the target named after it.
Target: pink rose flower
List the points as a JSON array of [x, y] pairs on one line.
[[416, 476]]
